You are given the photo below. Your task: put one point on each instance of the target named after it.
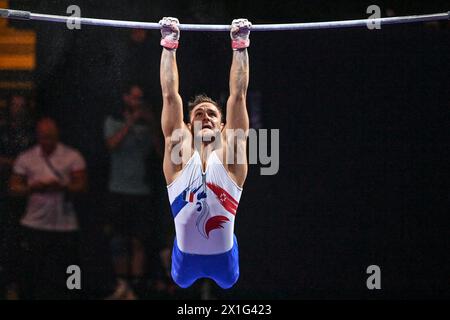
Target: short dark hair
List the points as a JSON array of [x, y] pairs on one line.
[[201, 98]]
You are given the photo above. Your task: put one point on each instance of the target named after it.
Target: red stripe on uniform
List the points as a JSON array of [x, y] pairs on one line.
[[225, 199]]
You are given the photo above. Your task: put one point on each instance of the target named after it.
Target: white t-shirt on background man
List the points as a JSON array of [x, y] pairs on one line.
[[49, 211]]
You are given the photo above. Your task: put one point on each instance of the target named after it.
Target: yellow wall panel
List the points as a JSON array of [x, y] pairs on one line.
[[17, 47], [17, 62]]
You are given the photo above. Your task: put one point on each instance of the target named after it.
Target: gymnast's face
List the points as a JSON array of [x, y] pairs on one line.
[[207, 119]]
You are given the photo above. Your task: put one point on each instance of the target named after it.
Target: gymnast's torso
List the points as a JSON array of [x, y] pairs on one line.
[[204, 206]]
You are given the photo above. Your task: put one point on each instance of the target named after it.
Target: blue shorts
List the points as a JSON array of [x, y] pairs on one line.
[[223, 268]]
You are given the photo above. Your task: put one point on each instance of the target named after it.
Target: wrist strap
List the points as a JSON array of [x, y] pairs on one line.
[[169, 44], [240, 44]]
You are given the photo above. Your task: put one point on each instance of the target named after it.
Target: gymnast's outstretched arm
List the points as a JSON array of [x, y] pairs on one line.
[[237, 116], [172, 112]]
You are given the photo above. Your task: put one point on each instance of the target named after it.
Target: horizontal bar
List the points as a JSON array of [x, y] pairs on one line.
[[16, 14]]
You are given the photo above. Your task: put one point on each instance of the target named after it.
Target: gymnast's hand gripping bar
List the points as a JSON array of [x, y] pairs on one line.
[[26, 15]]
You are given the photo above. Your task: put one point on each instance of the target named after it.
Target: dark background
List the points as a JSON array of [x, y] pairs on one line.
[[363, 118]]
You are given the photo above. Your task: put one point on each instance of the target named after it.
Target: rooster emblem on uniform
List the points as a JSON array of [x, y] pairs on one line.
[[205, 222]]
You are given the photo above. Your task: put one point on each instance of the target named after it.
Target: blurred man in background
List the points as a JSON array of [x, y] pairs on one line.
[[49, 175], [16, 135], [132, 141]]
